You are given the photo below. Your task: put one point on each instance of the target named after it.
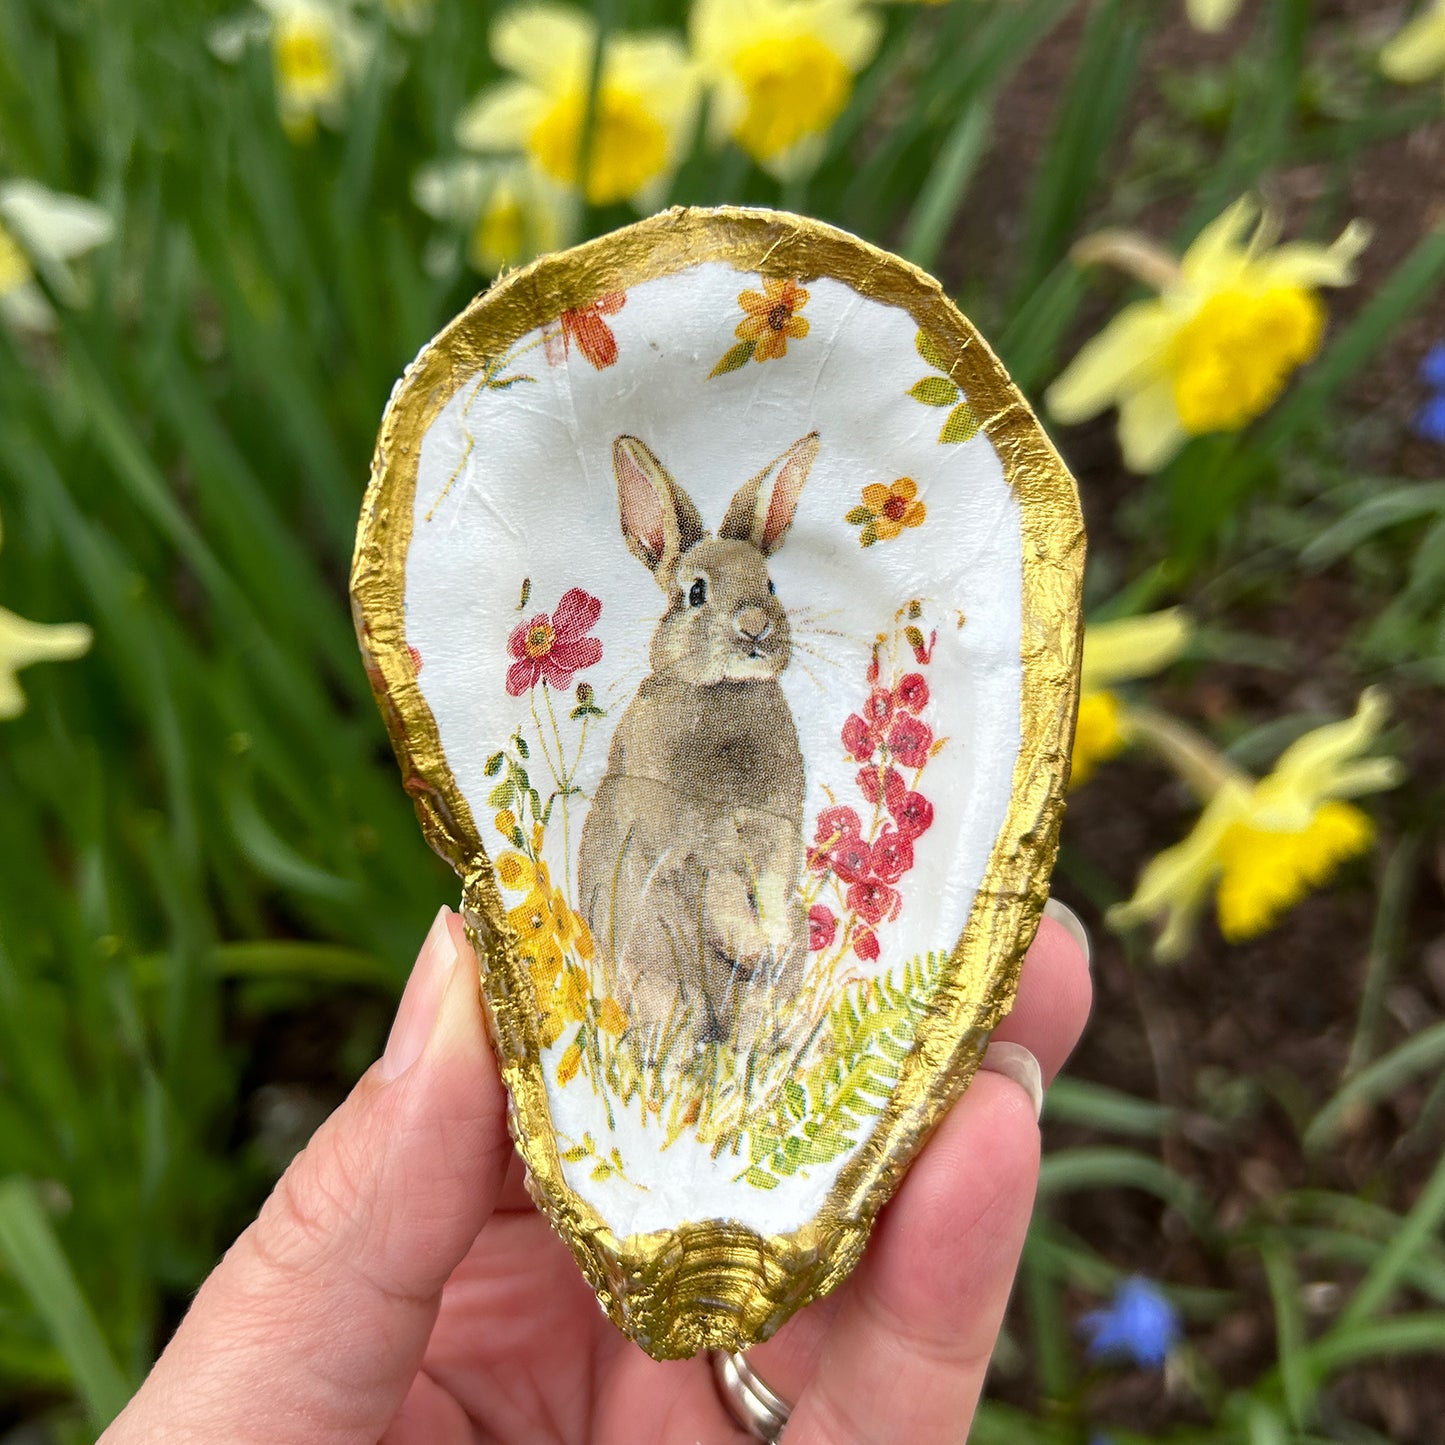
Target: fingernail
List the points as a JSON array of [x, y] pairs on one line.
[[1070, 922], [1015, 1062], [421, 999]]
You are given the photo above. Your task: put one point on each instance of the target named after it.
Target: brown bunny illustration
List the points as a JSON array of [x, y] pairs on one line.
[[692, 849]]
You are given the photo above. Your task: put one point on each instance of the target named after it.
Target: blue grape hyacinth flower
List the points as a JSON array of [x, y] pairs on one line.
[[1138, 1324], [1429, 421]]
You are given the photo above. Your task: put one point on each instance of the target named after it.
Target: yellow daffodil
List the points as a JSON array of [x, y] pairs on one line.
[[1114, 652], [1211, 16], [1261, 846], [23, 642], [318, 49], [1233, 320], [646, 101], [511, 211], [781, 72], [1418, 51], [43, 231]]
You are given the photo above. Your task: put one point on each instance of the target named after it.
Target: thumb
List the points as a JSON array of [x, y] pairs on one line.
[[314, 1325]]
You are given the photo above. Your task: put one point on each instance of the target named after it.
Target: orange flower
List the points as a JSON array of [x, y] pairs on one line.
[[770, 318], [886, 511]]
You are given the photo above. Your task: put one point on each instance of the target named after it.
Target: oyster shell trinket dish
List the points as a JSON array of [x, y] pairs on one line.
[[721, 595]]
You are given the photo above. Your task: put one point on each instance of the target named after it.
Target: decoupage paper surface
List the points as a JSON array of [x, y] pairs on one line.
[[721, 613]]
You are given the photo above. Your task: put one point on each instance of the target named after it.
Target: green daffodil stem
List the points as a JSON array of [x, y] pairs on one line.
[[1200, 764]]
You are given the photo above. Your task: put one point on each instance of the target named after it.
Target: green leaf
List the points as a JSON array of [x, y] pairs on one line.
[[522, 748], [35, 1258], [494, 765], [868, 536], [760, 1178], [934, 391], [930, 352], [740, 355], [502, 796], [961, 426], [858, 516]]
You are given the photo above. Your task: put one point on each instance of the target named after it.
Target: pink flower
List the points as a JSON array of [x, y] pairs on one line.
[[415, 658], [552, 648], [822, 927], [891, 856], [909, 739], [858, 738], [873, 901], [836, 823], [913, 815], [892, 790], [865, 944], [912, 692], [849, 858]]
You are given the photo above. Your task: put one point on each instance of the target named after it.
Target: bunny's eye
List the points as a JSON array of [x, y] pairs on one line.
[[771, 588], [697, 593]]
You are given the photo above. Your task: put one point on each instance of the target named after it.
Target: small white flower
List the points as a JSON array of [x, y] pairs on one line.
[[41, 231], [511, 212]]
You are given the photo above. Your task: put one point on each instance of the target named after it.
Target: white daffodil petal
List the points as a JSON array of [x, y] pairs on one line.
[[550, 45], [52, 226], [1211, 16], [1418, 51], [1127, 352], [451, 190], [1150, 431], [1302, 263], [27, 308], [1132, 647], [502, 117]]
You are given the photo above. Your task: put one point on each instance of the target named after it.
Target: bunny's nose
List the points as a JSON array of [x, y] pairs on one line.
[[752, 623]]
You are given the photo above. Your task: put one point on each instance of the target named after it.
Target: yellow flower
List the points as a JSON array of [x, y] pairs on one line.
[[781, 72], [772, 317], [1211, 16], [1261, 846], [1418, 51], [886, 511], [1233, 320], [22, 643], [43, 229], [1118, 651], [318, 49], [646, 99], [510, 210]]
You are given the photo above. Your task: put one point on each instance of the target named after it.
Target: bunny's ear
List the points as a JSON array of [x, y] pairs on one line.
[[659, 520], [762, 511]]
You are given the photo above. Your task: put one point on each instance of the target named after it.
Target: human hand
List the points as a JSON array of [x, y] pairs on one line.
[[400, 1285]]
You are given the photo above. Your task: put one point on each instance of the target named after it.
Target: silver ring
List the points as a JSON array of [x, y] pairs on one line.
[[760, 1412]]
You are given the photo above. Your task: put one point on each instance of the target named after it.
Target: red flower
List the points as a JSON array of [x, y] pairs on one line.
[[849, 858], [865, 944], [892, 790], [553, 648], [873, 901], [858, 738], [891, 856], [837, 834], [877, 710], [909, 739], [912, 692], [415, 658], [822, 927], [585, 326], [913, 815]]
